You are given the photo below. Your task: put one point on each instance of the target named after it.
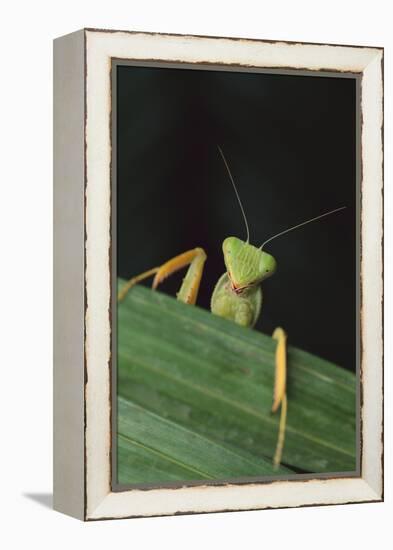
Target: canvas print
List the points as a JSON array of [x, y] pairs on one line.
[[235, 269]]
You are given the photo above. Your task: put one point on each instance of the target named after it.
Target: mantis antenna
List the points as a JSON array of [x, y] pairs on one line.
[[237, 194], [301, 224]]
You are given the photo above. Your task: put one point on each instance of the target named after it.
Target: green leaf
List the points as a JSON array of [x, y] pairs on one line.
[[195, 393], [153, 448]]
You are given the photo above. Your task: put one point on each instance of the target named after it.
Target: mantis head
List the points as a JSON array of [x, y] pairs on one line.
[[246, 265]]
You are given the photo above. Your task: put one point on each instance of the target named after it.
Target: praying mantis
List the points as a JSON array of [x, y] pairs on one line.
[[237, 295]]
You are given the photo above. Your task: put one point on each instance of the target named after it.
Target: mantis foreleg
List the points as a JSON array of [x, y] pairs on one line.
[[188, 292]]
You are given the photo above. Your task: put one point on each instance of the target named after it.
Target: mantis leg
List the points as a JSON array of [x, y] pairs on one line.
[[280, 395], [135, 280], [188, 292]]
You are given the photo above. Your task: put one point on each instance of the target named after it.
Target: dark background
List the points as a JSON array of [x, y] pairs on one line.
[[290, 142]]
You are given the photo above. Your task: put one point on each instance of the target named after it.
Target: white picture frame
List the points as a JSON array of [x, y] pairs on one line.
[[83, 294]]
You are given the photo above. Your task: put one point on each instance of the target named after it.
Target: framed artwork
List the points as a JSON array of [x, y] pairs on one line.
[[218, 274]]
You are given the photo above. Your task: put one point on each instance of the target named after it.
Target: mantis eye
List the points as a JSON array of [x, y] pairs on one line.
[[267, 265]]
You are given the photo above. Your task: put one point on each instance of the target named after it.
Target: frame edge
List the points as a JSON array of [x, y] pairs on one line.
[[68, 287]]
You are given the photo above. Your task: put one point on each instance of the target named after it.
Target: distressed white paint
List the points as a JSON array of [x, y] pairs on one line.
[[101, 47], [244, 497], [372, 205], [193, 49]]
